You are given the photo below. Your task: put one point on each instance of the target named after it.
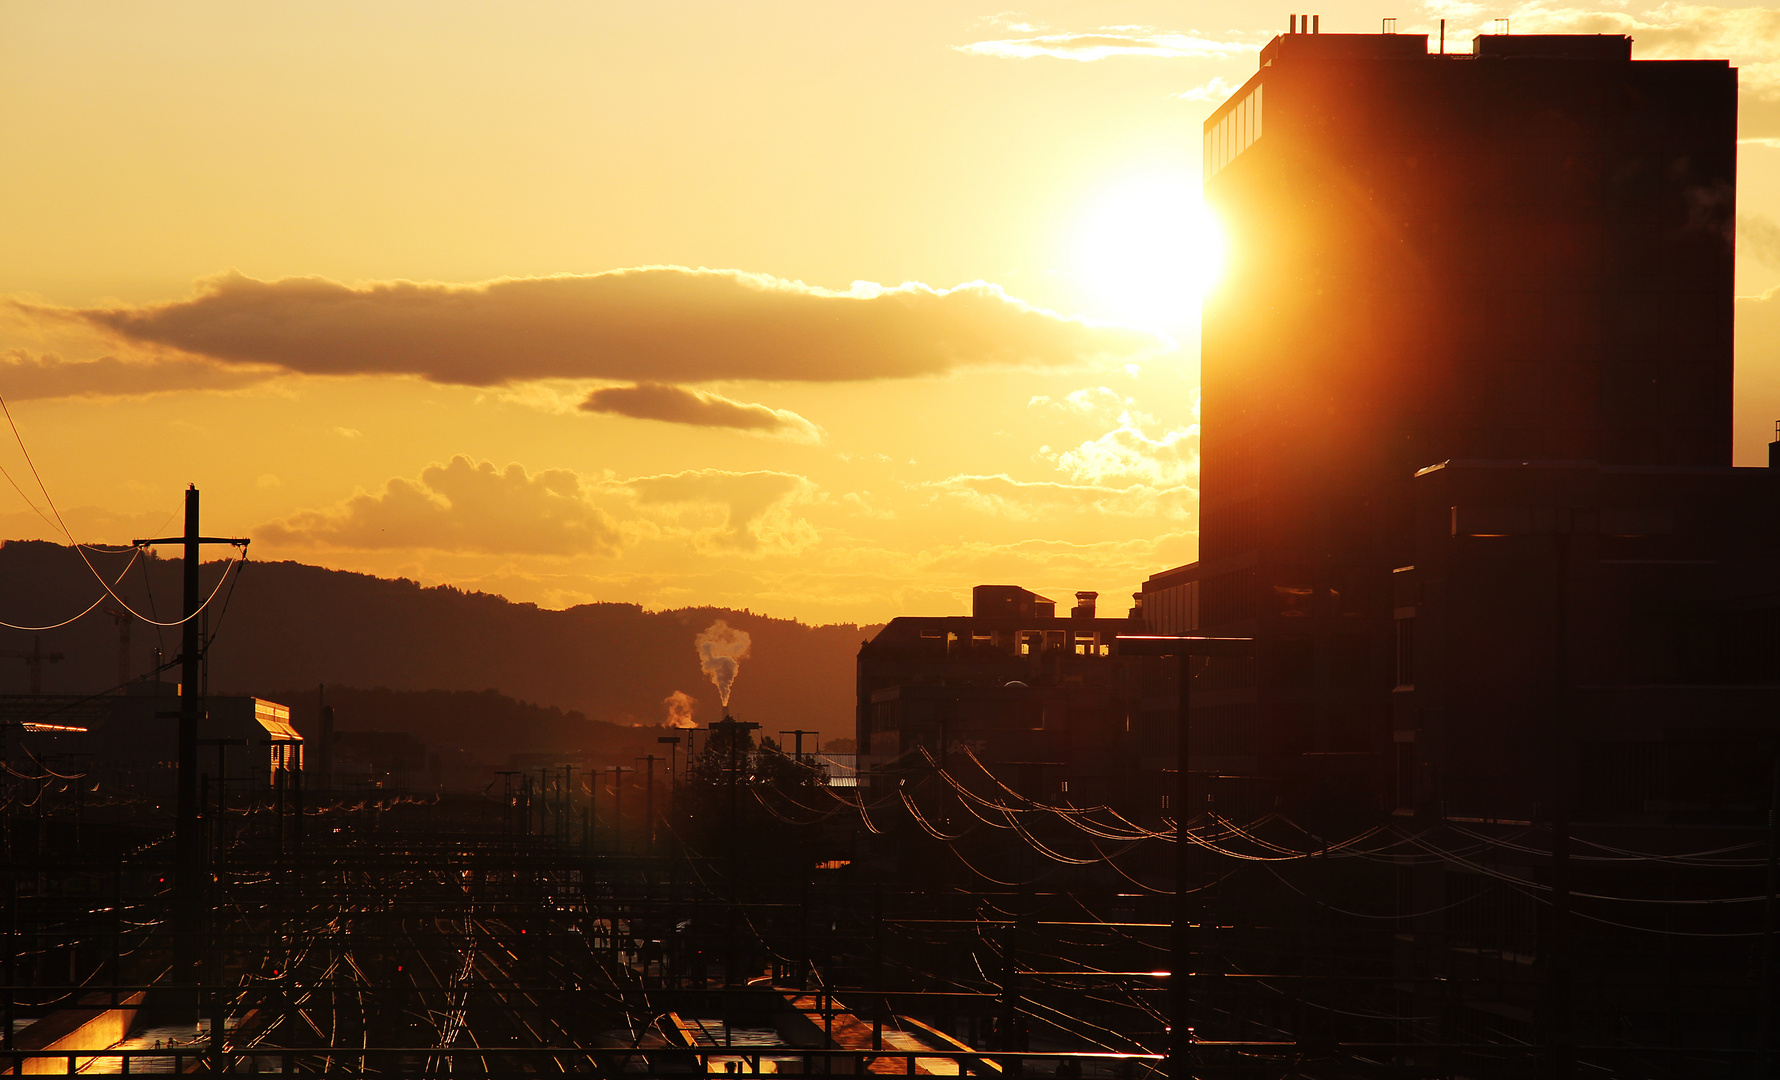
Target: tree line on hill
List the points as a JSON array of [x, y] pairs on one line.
[[282, 629]]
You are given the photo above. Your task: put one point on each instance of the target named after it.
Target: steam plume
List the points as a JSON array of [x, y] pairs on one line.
[[721, 650], [679, 705]]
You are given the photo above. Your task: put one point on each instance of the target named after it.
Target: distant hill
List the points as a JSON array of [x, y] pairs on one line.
[[288, 625]]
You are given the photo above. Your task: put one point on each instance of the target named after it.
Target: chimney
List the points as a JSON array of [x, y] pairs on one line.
[[1774, 448], [1084, 605]]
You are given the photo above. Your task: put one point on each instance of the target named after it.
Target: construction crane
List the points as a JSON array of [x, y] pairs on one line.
[[35, 659]]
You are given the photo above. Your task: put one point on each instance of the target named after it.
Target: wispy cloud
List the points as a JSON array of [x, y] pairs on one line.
[[466, 506], [1217, 89], [678, 405], [1105, 42], [1759, 236], [1043, 500], [25, 375], [752, 510], [1127, 454]]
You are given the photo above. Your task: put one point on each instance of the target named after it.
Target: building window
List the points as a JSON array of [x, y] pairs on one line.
[[1234, 132]]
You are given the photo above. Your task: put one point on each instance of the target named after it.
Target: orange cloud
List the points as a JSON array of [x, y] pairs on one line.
[[462, 506], [755, 507], [1046, 500], [650, 324], [675, 404], [1107, 42], [45, 375]]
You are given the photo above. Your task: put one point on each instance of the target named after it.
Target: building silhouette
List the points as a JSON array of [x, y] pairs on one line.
[[1512, 267], [1041, 700], [1466, 479]]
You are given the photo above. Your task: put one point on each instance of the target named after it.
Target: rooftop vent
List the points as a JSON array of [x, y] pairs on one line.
[[1552, 46]]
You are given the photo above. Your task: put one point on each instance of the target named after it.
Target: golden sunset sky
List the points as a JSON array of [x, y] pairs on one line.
[[829, 310]]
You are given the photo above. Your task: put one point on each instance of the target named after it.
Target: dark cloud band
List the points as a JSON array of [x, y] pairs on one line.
[[46, 375], [652, 324], [678, 405]]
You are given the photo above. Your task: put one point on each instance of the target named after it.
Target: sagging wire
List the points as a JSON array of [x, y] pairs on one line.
[[1696, 858], [1144, 885], [1008, 963], [1361, 914], [135, 555], [754, 790], [1075, 814], [992, 879], [1522, 883], [921, 819], [79, 548]]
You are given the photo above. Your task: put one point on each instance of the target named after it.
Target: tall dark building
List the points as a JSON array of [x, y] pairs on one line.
[[1519, 254], [1466, 480]]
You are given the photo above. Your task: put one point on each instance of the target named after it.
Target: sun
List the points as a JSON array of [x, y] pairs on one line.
[[1147, 250]]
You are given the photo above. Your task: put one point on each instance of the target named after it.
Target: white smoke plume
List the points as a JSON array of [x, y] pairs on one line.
[[679, 705], [721, 650]]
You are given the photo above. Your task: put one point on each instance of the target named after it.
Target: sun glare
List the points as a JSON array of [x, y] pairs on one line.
[[1147, 250]]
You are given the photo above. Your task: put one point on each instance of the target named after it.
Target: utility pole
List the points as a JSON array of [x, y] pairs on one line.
[[509, 800], [799, 733], [673, 745], [735, 731], [188, 851], [543, 798], [222, 746], [122, 618], [565, 818], [1765, 1026], [1562, 1038], [1183, 649], [618, 772], [649, 790]]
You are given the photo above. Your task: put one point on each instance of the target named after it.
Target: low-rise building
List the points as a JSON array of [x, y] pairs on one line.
[[1040, 700]]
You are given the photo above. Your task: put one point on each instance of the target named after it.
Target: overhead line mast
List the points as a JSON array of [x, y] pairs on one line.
[[188, 852]]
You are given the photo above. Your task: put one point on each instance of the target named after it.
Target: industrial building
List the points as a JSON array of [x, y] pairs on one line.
[[129, 737], [1040, 699]]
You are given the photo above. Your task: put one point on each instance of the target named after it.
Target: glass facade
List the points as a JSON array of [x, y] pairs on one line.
[[1233, 132]]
